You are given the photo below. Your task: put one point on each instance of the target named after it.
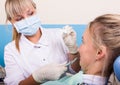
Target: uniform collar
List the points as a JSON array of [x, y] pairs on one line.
[[42, 41]]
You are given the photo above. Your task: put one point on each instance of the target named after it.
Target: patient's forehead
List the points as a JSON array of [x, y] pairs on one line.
[[86, 34]]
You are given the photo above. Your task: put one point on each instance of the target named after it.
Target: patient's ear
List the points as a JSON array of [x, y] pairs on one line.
[[101, 53]]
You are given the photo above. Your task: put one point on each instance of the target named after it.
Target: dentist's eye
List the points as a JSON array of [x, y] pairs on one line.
[[18, 18], [30, 13]]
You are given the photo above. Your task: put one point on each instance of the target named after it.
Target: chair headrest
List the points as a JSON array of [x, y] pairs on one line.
[[116, 67]]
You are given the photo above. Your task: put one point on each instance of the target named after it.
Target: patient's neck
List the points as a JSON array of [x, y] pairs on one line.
[[95, 69]]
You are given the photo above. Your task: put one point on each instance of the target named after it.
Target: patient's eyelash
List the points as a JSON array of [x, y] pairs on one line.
[[82, 40]]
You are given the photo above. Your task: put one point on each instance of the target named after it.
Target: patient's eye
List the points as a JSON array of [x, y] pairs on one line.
[[82, 40]]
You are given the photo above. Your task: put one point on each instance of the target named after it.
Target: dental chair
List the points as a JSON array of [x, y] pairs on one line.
[[115, 76], [5, 37], [116, 67]]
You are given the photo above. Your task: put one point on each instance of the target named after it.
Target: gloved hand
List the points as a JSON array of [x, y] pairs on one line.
[[49, 72], [69, 37]]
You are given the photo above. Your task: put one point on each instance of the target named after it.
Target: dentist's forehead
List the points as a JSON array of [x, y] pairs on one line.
[[18, 7]]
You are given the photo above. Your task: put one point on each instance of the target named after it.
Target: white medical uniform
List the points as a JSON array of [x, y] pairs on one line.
[[49, 49]]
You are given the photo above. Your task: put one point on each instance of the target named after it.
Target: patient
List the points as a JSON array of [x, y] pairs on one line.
[[100, 47]]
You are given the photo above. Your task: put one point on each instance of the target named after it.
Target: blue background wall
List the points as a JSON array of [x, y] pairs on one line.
[[6, 35]]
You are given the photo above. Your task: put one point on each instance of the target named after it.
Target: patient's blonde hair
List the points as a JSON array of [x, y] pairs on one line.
[[105, 30], [15, 7]]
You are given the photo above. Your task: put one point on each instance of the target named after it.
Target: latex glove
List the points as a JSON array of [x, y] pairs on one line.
[[49, 72], [69, 37]]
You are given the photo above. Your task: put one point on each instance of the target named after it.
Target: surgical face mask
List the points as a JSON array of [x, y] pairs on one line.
[[28, 26]]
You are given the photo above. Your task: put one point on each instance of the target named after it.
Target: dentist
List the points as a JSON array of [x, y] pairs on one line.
[[36, 55]]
